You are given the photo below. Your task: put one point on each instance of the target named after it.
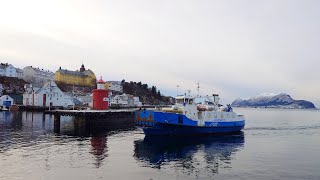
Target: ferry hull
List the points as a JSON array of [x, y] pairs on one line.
[[163, 123], [169, 129]]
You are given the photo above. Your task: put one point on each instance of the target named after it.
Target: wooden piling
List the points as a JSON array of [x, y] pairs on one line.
[[56, 124]]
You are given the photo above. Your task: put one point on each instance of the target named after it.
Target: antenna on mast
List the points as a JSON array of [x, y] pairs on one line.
[[198, 88]]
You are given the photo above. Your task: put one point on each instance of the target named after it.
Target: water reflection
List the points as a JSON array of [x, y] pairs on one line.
[[189, 154], [20, 130], [99, 149]]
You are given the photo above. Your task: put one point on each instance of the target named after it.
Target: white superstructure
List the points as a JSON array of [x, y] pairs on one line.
[[204, 109]]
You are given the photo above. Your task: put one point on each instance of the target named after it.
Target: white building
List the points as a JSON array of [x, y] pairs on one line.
[[135, 102], [85, 100], [7, 70], [37, 75], [120, 100], [125, 100], [48, 95], [114, 86], [6, 101], [19, 73]]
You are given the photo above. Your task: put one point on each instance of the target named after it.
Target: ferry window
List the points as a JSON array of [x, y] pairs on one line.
[[221, 115], [227, 115], [186, 101], [190, 101], [215, 116], [233, 115]]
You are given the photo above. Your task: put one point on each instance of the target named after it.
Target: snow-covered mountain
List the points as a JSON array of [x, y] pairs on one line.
[[273, 101]]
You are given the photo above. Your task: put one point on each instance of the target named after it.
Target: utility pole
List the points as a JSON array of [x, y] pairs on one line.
[[73, 95], [49, 95]]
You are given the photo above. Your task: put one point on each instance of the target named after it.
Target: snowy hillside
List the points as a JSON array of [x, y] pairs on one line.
[[273, 101]]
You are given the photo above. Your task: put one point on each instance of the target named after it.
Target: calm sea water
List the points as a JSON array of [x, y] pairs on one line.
[[276, 144]]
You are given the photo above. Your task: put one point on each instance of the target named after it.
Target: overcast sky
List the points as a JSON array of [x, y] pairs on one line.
[[237, 48]]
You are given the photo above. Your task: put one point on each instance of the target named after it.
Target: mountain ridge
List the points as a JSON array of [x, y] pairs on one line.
[[282, 100]]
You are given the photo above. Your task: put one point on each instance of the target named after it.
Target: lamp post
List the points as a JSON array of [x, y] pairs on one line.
[[177, 90], [73, 96], [49, 95]]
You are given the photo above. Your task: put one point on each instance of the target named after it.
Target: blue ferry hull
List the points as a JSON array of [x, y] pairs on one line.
[[169, 129], [163, 123]]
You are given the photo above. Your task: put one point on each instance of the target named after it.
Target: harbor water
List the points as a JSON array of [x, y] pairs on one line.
[[275, 144]]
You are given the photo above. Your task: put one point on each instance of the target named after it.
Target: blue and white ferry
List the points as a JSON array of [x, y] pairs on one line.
[[190, 116]]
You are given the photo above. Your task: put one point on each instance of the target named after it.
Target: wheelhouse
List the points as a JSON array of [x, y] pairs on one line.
[[182, 100]]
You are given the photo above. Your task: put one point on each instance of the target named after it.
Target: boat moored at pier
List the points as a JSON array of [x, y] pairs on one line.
[[190, 116]]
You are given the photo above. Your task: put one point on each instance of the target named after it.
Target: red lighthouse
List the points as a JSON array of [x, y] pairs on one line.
[[100, 96]]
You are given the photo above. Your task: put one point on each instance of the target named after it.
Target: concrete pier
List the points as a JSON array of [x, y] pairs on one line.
[[92, 113], [113, 119]]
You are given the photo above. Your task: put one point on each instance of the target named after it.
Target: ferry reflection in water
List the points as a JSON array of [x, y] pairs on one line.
[[192, 154]]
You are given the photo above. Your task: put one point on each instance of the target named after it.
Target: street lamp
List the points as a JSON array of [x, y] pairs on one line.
[[50, 95], [73, 96], [177, 90]]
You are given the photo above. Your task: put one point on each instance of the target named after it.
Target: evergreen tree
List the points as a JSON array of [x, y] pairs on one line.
[[145, 87], [154, 90], [159, 95]]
